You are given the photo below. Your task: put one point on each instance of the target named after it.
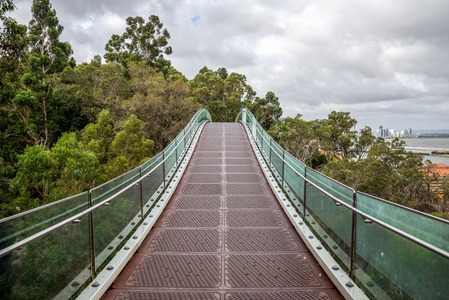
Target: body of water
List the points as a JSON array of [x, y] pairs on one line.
[[429, 143]]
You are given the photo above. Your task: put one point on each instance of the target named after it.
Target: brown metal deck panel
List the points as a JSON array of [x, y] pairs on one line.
[[223, 235]]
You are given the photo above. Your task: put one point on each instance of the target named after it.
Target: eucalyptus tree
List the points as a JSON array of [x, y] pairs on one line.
[[6, 6], [267, 110], [33, 109], [222, 94], [48, 53], [341, 134], [141, 41]]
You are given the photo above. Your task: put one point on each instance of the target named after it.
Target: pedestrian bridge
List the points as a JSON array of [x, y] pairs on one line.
[[223, 213]]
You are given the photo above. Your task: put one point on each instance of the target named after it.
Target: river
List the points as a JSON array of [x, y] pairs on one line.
[[423, 144]]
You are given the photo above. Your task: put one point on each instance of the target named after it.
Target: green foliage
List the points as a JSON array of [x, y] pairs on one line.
[[300, 138], [118, 152], [163, 104], [221, 94], [267, 110], [51, 55], [85, 90], [6, 6], [13, 54], [340, 134], [46, 175], [140, 41], [387, 172], [131, 144]]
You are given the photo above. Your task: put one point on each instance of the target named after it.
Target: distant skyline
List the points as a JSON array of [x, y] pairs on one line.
[[384, 61]]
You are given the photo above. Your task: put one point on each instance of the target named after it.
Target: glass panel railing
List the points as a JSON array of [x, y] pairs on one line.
[[277, 159], [148, 165], [432, 230], [295, 184], [331, 223], [296, 165], [392, 252], [152, 187], [113, 186], [17, 228], [113, 223], [56, 263], [392, 267], [331, 186], [52, 265]]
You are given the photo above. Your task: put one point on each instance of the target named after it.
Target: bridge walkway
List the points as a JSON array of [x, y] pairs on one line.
[[223, 235]]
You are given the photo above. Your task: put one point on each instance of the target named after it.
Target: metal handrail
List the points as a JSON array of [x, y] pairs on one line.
[[94, 188], [343, 185], [46, 231], [401, 233], [406, 208], [40, 208]]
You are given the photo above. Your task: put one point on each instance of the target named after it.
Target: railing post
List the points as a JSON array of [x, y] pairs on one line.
[[253, 127], [163, 168], [184, 132], [270, 153], [93, 272], [141, 195], [283, 164], [176, 151], [305, 195], [353, 237]]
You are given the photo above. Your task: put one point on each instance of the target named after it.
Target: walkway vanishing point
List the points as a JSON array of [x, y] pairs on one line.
[[223, 235]]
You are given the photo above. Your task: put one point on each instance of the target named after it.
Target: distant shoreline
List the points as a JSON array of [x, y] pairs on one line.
[[421, 136], [428, 151]]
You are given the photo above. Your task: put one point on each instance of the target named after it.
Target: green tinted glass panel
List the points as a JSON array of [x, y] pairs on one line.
[[169, 149], [151, 165], [113, 223], [330, 222], [152, 188], [294, 163], [392, 267], [332, 187], [109, 188], [43, 268], [296, 185], [276, 158], [428, 229], [19, 228], [146, 166]]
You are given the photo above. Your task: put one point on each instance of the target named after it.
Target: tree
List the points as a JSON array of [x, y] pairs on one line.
[[117, 152], [388, 172], [32, 111], [444, 192], [13, 54], [300, 138], [362, 142], [267, 110], [130, 143], [162, 103], [98, 137], [221, 94], [6, 6], [46, 175], [340, 134], [140, 41], [47, 52]]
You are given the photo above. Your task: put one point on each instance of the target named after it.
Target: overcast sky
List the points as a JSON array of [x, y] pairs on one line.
[[386, 62]]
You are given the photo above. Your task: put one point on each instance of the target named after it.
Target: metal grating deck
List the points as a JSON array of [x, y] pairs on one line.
[[223, 235]]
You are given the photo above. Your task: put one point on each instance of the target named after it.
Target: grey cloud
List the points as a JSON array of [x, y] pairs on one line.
[[385, 61]]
